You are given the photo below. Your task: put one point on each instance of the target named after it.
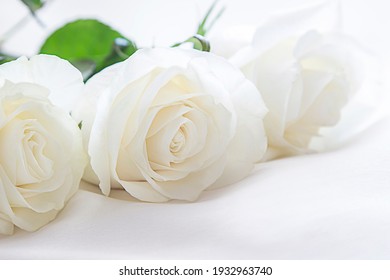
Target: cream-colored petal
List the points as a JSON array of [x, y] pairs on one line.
[[6, 227], [62, 79], [190, 187], [324, 17]]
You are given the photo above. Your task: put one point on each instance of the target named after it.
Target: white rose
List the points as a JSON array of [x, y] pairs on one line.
[[169, 123], [305, 76], [41, 153]]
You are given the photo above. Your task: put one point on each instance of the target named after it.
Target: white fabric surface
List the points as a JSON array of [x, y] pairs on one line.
[[334, 205]]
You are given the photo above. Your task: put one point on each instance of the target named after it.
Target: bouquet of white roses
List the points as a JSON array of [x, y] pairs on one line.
[[164, 123]]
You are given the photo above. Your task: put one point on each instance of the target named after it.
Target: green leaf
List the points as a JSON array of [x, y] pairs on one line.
[[34, 5], [6, 58], [89, 45]]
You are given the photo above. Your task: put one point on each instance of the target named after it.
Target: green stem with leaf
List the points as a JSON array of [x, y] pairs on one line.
[[198, 40]]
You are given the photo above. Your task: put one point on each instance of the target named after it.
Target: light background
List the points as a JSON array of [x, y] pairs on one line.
[[334, 205], [164, 22]]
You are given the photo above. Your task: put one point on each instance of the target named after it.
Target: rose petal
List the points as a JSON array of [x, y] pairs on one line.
[[62, 79]]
